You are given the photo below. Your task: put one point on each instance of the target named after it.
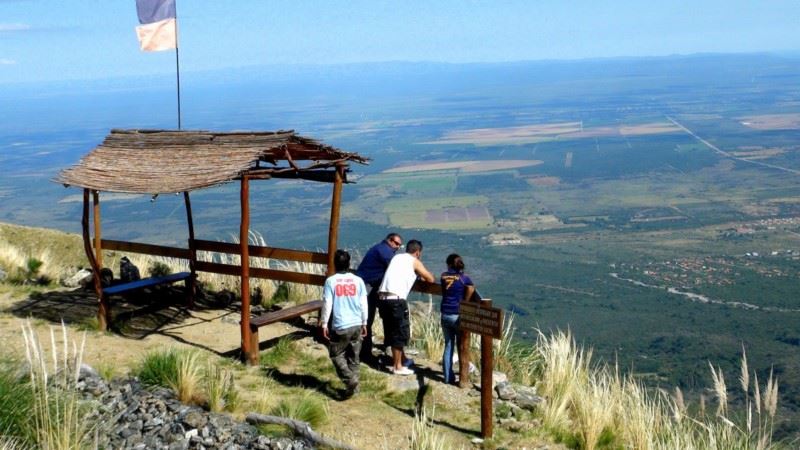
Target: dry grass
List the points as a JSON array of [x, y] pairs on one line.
[[425, 437], [60, 421], [598, 406]]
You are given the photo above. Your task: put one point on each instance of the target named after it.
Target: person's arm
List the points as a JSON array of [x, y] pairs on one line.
[[422, 272], [468, 291], [327, 307], [469, 287], [364, 310]]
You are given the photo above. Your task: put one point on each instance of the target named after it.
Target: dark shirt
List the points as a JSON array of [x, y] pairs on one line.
[[453, 286], [375, 262]]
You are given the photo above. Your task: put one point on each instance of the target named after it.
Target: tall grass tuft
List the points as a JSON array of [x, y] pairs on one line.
[[59, 419], [598, 408], [517, 360], [16, 398], [308, 408], [425, 437], [220, 389], [564, 367], [179, 370], [427, 332]]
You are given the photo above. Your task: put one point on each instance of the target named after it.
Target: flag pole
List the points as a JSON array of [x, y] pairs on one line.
[[177, 66]]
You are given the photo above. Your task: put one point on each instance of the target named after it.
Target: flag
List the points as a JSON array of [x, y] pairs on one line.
[[159, 29]]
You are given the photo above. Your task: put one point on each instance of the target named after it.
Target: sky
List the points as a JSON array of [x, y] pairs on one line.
[[48, 40]]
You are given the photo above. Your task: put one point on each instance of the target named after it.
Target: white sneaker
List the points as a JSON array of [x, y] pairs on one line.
[[403, 371]]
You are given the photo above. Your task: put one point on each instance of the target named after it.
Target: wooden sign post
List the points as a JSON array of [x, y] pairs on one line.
[[481, 318]]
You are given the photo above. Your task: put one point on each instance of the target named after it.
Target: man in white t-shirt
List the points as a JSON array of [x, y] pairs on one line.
[[402, 273], [345, 301]]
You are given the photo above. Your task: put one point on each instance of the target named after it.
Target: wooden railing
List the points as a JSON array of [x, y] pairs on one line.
[[255, 251]]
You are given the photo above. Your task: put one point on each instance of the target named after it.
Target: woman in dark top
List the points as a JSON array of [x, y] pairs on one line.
[[456, 287]]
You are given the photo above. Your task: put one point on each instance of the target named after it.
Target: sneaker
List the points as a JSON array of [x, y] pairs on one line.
[[408, 362], [403, 371], [351, 390]]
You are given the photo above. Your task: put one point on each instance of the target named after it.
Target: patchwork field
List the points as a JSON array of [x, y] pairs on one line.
[[532, 134], [772, 121], [466, 166], [443, 213]]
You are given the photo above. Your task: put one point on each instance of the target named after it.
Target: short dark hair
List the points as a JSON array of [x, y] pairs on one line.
[[413, 246], [391, 236], [454, 261], [341, 260]]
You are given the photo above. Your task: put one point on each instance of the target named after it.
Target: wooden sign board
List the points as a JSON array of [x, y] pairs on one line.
[[481, 319]]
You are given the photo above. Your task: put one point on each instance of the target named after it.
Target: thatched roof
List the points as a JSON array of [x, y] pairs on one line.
[[166, 161]]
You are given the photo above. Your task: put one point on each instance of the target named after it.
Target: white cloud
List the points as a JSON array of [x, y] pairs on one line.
[[14, 27], [7, 62]]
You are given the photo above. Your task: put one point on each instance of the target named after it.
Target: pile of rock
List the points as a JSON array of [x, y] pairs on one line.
[[513, 400], [132, 416]]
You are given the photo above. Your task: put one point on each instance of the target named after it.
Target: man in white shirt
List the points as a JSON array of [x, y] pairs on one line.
[[345, 299], [400, 277]]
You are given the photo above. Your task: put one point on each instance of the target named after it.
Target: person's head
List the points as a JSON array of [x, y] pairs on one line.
[[414, 247], [341, 260], [394, 240], [455, 262]]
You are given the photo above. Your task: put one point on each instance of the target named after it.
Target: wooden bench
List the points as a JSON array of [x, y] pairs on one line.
[[146, 282], [279, 316]]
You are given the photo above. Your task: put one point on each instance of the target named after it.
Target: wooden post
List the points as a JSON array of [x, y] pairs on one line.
[[464, 338], [487, 367], [98, 251], [104, 310], [249, 354], [333, 228], [191, 288]]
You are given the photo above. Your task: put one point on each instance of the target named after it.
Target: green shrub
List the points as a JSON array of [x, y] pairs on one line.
[[16, 398], [176, 369], [159, 368], [159, 269], [280, 353], [308, 408]]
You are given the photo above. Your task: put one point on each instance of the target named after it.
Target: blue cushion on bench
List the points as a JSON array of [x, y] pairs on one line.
[[145, 282]]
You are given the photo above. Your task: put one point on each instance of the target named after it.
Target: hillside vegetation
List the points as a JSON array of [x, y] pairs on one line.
[[586, 404]]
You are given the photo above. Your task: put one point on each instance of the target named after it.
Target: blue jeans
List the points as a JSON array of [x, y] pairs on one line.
[[450, 331]]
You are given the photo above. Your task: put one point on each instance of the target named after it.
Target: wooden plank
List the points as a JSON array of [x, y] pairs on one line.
[[263, 252], [286, 313], [270, 274], [146, 282], [147, 249], [427, 288]]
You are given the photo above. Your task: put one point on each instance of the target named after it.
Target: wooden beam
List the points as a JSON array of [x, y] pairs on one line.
[[262, 252], [333, 228], [191, 283], [98, 250], [103, 311], [268, 274], [487, 367], [324, 176], [427, 288], [248, 353], [147, 249]]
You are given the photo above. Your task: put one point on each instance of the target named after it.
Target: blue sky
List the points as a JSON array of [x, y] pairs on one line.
[[87, 39]]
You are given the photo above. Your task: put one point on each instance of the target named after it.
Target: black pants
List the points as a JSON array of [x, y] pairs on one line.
[[372, 306]]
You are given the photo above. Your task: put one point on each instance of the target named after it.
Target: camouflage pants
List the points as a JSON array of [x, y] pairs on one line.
[[344, 349]]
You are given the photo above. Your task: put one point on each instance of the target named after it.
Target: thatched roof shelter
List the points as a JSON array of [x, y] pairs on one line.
[[170, 161], [167, 161]]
